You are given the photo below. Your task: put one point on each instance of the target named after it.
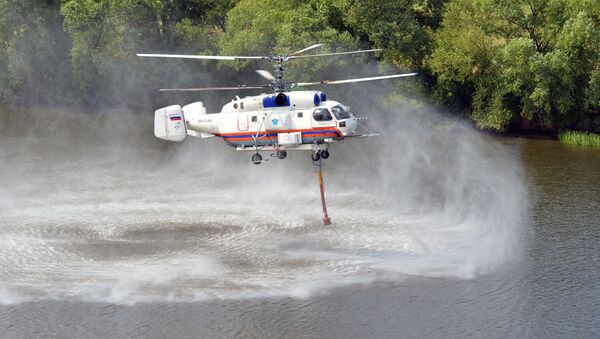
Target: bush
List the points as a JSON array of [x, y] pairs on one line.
[[580, 138]]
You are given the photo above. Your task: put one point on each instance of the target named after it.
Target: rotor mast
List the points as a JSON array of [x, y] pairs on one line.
[[280, 84]]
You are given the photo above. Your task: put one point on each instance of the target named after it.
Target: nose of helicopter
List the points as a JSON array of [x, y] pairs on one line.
[[347, 126]]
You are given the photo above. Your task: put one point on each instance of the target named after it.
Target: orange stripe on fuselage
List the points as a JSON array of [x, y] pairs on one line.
[[282, 131], [263, 137], [266, 137]]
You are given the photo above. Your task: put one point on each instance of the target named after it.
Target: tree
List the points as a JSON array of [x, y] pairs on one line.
[[282, 27], [518, 60], [463, 61], [34, 60], [401, 27], [107, 35]]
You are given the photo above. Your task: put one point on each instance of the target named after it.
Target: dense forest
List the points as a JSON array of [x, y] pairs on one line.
[[505, 64]]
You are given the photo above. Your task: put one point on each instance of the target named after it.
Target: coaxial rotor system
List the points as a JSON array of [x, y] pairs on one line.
[[277, 81]]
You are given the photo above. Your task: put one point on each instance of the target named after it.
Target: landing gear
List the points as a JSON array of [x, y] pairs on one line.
[[256, 158], [282, 154], [316, 156]]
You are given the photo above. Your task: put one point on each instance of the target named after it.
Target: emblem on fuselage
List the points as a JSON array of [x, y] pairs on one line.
[[275, 122]]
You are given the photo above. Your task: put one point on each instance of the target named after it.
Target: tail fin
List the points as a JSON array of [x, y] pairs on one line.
[[169, 123]]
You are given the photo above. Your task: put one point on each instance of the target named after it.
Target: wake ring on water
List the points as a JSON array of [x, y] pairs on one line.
[[114, 223]]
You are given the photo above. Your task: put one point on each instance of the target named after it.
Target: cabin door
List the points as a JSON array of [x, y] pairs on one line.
[[242, 123]]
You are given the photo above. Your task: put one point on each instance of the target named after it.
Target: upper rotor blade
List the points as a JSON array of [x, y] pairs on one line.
[[336, 53], [211, 88], [307, 49], [204, 57], [346, 81], [266, 74]]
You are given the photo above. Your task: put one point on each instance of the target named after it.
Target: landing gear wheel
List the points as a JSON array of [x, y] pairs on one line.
[[282, 154], [315, 156], [256, 158], [324, 154]]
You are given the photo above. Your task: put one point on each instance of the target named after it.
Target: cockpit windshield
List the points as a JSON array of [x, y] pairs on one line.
[[340, 112]]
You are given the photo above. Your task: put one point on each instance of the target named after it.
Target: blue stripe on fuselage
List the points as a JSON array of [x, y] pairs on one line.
[[263, 135], [271, 138]]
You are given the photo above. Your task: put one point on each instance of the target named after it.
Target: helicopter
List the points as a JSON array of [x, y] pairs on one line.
[[277, 122]]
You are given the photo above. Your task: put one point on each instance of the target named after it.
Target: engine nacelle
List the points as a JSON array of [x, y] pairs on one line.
[[169, 123]]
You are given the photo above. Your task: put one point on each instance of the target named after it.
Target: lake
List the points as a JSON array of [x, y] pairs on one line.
[[105, 231]]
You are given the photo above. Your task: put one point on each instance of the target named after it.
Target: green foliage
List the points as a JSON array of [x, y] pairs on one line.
[[108, 33], [33, 57], [522, 60], [502, 62], [280, 26], [580, 138], [399, 26], [465, 57], [283, 27]]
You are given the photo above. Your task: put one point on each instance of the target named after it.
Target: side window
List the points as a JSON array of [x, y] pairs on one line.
[[254, 118], [300, 114], [322, 114]]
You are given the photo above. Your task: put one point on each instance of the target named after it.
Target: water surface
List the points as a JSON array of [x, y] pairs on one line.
[[107, 232]]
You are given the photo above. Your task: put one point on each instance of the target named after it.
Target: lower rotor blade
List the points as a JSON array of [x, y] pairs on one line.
[[347, 81], [210, 88], [203, 57]]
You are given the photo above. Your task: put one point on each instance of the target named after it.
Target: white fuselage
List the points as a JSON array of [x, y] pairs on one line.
[[291, 120]]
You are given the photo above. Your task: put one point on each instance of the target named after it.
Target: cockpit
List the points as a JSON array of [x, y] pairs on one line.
[[323, 114], [340, 112]]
